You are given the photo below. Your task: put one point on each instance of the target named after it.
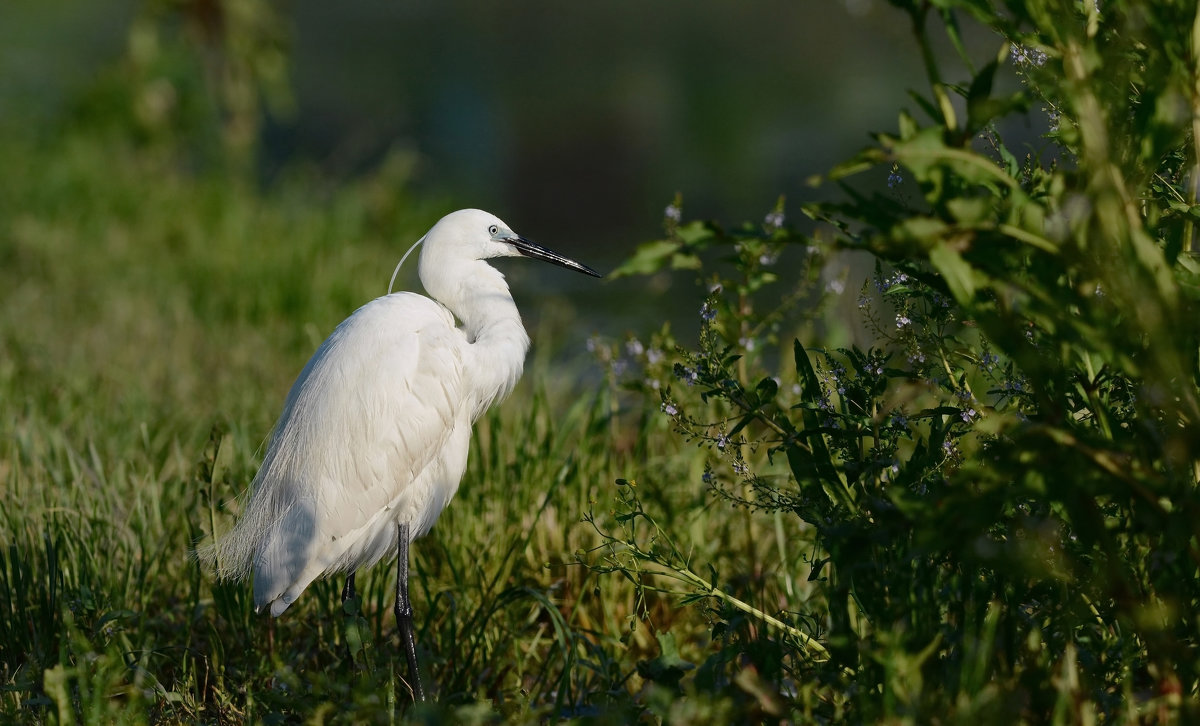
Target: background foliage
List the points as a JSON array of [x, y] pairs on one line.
[[986, 512], [998, 496]]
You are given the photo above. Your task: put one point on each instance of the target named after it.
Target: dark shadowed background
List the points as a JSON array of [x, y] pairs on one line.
[[579, 121]]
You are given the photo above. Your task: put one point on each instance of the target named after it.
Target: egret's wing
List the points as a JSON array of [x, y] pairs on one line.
[[371, 410]]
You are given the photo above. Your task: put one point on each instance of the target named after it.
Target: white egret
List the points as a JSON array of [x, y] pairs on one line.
[[373, 437]]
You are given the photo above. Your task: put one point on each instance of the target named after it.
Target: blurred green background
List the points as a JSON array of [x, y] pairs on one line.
[[577, 122]]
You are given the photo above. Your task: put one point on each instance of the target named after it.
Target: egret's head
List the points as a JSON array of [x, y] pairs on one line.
[[472, 234]]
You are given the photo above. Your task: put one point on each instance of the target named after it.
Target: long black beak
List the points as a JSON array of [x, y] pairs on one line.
[[537, 252]]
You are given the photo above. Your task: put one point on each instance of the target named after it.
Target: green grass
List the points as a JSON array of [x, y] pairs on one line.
[[152, 322]]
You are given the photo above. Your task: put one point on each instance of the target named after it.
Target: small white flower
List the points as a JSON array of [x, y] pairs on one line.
[[1024, 56]]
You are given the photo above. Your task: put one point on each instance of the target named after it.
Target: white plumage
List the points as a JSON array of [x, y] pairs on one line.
[[376, 429]]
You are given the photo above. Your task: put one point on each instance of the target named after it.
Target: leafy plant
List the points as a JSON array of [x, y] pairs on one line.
[[995, 502]]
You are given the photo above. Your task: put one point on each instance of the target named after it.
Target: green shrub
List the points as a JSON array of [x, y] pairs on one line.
[[991, 511]]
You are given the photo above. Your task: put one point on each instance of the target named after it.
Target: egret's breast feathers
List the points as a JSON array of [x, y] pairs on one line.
[[366, 416], [385, 395]]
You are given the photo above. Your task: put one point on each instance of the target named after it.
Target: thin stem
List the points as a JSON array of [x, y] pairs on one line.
[[821, 654], [1191, 244]]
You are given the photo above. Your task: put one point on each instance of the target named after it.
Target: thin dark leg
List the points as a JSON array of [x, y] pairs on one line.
[[404, 617], [347, 596]]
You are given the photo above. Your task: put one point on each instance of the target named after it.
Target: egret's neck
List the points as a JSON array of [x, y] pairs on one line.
[[478, 296]]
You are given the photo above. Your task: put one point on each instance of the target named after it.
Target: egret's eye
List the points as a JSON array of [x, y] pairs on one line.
[[493, 230]]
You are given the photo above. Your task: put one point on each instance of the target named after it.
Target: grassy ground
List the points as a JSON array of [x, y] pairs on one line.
[[152, 322]]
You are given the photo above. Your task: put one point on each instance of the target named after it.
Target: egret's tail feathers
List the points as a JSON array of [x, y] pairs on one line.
[[231, 555], [226, 556]]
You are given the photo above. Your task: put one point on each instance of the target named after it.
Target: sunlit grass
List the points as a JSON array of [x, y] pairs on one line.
[[152, 323]]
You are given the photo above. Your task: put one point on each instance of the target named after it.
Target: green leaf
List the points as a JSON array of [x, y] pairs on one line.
[[929, 109], [927, 151], [741, 424], [696, 233], [864, 160], [970, 211], [908, 125], [1011, 165], [986, 110], [766, 390], [685, 261], [813, 462], [358, 634], [649, 258], [980, 89], [924, 230], [668, 668], [815, 574], [959, 276]]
